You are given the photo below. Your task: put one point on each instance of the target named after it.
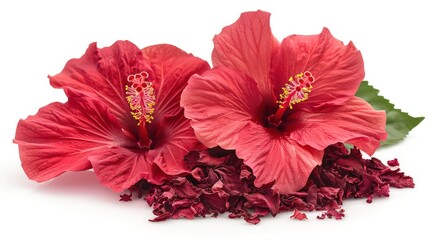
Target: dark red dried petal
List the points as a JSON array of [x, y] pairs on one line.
[[220, 182], [393, 163], [269, 201], [332, 213], [161, 217], [215, 201], [230, 179], [188, 213], [206, 158], [299, 215], [398, 179], [126, 197], [337, 214], [245, 173], [252, 220]]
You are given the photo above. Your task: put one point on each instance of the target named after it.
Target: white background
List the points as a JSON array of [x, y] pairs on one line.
[[38, 37]]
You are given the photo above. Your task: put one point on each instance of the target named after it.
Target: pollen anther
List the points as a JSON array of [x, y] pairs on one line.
[[296, 90], [140, 96]]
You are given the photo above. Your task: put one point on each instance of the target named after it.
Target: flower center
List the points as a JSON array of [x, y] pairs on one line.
[[296, 90], [140, 96]]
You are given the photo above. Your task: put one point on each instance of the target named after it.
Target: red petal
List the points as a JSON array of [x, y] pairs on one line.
[[219, 104], [247, 46], [252, 220], [208, 159], [173, 136], [126, 197], [269, 200], [333, 213], [393, 163], [355, 122], [338, 69], [102, 73], [299, 215], [275, 158], [397, 179], [61, 137], [172, 68], [173, 143], [120, 168]]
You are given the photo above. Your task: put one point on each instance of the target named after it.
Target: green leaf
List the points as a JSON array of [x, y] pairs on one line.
[[398, 123]]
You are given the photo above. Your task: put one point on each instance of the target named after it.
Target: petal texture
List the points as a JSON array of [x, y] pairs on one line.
[[220, 103], [102, 74], [338, 69], [276, 158], [172, 69], [175, 141], [355, 122], [172, 134], [61, 137], [120, 168], [247, 46]]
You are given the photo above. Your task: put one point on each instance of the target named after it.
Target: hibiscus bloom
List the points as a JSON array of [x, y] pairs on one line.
[[279, 105], [122, 118]]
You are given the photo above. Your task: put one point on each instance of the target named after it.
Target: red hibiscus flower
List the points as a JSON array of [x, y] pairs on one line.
[[279, 105], [122, 118]]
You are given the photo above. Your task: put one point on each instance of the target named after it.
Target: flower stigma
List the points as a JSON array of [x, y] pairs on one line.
[[296, 90], [141, 97]]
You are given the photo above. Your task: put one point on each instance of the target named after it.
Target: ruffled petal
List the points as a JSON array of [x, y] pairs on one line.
[[102, 73], [172, 68], [247, 46], [338, 69], [220, 103], [173, 143], [172, 134], [355, 122], [61, 137], [274, 158], [120, 168]]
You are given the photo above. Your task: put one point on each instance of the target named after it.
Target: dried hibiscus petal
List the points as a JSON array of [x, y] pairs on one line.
[[393, 163], [220, 182], [332, 213], [299, 215], [126, 197]]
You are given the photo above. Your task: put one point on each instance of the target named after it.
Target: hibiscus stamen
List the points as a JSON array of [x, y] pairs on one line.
[[141, 98], [296, 90]]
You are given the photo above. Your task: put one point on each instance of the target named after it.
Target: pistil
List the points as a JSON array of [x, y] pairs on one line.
[[296, 90], [141, 97]]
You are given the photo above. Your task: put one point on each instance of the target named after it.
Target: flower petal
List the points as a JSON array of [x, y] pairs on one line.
[[247, 46], [173, 136], [355, 122], [338, 69], [172, 68], [102, 73], [61, 137], [275, 158], [173, 143], [119, 168], [220, 103]]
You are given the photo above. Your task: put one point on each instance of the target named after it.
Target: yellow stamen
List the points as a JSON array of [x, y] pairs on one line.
[[296, 90], [140, 96]]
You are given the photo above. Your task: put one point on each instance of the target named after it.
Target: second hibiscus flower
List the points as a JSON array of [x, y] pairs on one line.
[[279, 105]]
